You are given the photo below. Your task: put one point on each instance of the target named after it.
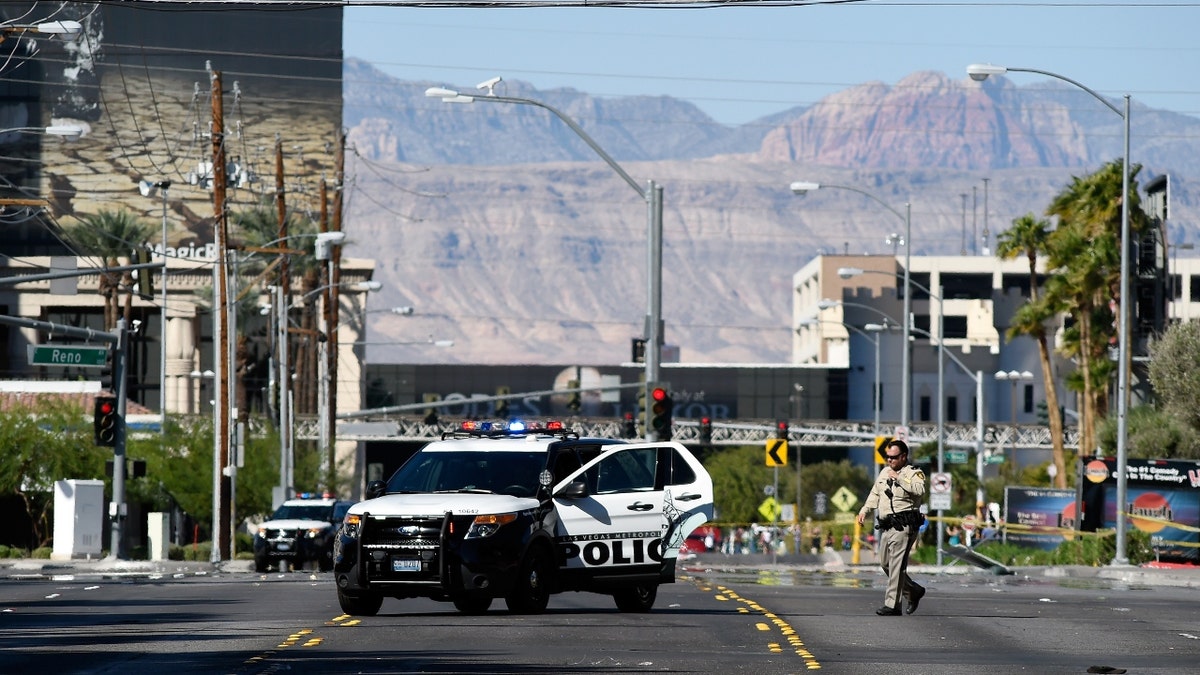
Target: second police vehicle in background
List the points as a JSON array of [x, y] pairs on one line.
[[301, 531], [520, 514]]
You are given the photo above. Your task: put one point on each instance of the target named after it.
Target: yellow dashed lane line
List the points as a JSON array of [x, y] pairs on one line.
[[306, 634], [773, 623]]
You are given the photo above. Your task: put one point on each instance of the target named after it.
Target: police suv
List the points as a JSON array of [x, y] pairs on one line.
[[300, 531], [520, 513]]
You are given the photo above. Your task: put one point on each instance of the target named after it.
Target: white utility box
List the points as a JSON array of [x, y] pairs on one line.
[[158, 529], [78, 519]]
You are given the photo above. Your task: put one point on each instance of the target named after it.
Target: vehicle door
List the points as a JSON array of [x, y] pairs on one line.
[[631, 508]]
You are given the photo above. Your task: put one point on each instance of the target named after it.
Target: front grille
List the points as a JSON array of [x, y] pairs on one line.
[[402, 549]]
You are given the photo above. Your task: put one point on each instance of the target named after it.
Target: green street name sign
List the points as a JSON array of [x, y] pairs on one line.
[[956, 456], [68, 355]]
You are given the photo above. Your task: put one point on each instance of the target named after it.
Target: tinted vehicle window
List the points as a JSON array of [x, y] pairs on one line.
[[303, 512], [624, 471], [470, 471]]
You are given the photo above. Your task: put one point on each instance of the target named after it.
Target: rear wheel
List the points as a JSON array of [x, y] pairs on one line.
[[473, 604], [360, 604], [531, 593], [637, 599]]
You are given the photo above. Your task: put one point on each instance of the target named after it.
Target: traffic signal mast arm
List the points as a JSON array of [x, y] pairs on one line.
[[413, 407]]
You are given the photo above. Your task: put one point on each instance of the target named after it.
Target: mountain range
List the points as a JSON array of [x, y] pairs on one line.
[[511, 237]]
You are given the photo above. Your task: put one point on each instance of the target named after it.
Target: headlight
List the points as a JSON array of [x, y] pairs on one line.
[[350, 525], [314, 532], [486, 526], [262, 532]]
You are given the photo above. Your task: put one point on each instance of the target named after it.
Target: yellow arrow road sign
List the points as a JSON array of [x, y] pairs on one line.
[[776, 452]]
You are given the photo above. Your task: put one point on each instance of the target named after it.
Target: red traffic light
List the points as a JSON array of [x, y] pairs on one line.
[[658, 394], [106, 408], [705, 420]]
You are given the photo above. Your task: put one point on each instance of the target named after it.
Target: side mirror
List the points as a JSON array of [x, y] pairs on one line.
[[576, 489], [376, 488]]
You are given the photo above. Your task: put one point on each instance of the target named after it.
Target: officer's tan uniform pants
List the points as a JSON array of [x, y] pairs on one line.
[[893, 557]]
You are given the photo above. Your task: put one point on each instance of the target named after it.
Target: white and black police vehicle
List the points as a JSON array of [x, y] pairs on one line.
[[300, 532], [521, 513]]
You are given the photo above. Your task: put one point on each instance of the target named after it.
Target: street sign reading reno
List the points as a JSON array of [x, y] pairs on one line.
[[68, 355]]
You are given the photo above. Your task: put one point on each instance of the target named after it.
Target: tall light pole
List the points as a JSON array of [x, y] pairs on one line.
[[651, 194], [980, 72], [147, 189], [801, 188]]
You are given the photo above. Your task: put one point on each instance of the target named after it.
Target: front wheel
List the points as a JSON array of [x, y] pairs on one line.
[[360, 604], [637, 599], [531, 593]]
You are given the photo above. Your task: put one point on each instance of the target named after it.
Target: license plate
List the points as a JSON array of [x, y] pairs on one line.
[[406, 565], [283, 547]]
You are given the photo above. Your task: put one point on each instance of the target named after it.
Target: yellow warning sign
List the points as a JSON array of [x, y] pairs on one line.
[[770, 509], [777, 452]]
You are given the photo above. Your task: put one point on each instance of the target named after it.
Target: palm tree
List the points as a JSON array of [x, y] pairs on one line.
[[113, 237], [1085, 252], [1027, 237]]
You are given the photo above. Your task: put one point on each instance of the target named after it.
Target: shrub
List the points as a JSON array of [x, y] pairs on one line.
[[42, 553]]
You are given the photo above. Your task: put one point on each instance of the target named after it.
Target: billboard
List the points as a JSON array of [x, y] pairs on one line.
[[1163, 500], [1038, 517]]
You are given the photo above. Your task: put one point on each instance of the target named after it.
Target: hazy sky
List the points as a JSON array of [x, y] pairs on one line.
[[741, 63]]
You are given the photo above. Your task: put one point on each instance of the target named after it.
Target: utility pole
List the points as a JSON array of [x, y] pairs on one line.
[[282, 301], [332, 307], [222, 483]]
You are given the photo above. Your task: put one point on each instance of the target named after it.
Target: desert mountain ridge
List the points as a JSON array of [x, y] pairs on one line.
[[510, 236]]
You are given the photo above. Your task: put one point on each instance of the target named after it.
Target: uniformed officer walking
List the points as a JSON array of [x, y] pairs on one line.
[[896, 498]]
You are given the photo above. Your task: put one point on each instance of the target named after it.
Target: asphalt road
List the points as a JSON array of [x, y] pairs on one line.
[[767, 620]]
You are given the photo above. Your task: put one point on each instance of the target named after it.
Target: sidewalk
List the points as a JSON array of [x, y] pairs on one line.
[[830, 561], [30, 568]]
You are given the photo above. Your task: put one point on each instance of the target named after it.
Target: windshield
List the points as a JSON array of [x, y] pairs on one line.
[[303, 512], [510, 473]]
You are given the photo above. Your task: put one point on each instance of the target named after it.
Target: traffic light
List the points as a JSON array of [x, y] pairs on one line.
[[104, 421], [144, 280], [629, 426], [501, 405], [705, 431], [574, 399], [660, 412], [431, 416], [1043, 413], [781, 429]]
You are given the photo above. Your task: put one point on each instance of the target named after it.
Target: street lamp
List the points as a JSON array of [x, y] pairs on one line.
[[66, 30], [1013, 377], [651, 194], [801, 188], [147, 189], [66, 131], [980, 72]]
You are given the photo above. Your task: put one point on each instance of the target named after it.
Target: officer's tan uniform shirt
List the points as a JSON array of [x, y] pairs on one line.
[[907, 495]]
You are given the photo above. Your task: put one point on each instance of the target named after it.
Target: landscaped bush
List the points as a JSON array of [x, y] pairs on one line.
[[42, 553]]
